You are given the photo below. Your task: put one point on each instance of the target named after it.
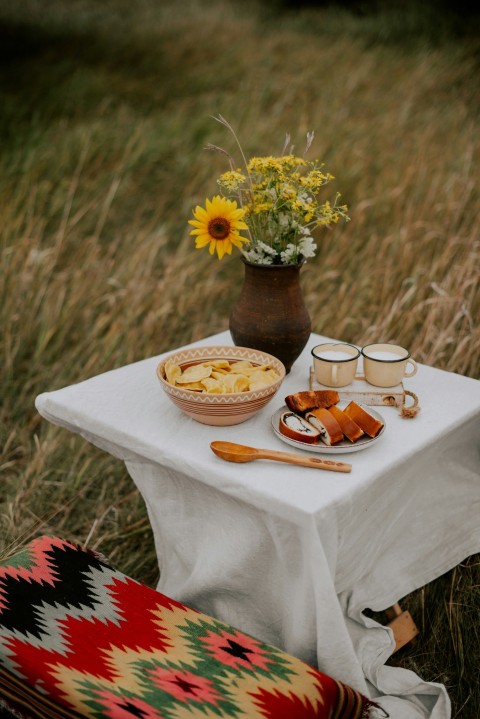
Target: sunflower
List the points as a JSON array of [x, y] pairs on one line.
[[217, 225]]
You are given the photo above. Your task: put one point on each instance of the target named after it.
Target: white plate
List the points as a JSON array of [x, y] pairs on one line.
[[341, 447]]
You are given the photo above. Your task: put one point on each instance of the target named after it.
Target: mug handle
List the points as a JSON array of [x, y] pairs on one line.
[[334, 374], [414, 370]]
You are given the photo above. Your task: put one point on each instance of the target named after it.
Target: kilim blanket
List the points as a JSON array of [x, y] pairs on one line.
[[79, 639]]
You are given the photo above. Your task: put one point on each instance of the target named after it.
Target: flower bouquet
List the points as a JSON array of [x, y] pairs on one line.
[[274, 201]]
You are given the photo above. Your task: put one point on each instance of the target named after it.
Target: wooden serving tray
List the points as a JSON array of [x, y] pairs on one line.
[[364, 393]]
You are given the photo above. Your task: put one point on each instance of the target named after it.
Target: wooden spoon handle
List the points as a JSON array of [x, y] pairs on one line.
[[290, 458]]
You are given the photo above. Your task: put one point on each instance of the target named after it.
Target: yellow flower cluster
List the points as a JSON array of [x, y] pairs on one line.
[[232, 180], [315, 179]]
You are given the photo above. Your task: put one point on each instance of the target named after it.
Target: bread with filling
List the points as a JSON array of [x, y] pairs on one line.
[[296, 427], [325, 422]]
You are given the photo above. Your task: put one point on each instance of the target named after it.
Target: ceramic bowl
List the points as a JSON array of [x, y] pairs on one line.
[[220, 409]]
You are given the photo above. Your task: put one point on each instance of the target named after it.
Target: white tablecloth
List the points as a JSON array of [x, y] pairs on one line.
[[294, 555]]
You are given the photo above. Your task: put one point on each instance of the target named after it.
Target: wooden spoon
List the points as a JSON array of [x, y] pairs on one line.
[[233, 452]]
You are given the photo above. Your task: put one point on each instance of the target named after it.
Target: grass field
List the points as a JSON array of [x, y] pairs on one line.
[[106, 109]]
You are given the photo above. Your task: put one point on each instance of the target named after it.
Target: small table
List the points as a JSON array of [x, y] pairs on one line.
[[289, 554]]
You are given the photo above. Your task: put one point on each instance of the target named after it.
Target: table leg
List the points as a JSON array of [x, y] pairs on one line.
[[402, 624]]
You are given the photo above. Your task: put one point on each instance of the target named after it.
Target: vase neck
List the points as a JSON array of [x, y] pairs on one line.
[[250, 266]]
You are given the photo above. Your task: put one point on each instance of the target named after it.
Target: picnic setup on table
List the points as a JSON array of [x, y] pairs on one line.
[[296, 484], [293, 555]]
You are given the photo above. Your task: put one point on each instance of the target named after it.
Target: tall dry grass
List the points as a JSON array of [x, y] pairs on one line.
[[105, 112]]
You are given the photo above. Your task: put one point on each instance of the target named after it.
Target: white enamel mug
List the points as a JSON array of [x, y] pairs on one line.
[[335, 363], [385, 365]]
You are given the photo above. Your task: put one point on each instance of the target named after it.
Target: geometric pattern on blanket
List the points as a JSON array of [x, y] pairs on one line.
[[79, 639]]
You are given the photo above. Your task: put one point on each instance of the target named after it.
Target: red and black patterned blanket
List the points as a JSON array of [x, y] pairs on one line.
[[79, 639]]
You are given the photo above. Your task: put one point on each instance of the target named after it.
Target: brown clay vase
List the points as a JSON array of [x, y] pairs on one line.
[[270, 314]]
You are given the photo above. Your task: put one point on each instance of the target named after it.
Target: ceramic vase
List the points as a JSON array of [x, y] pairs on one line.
[[270, 314]]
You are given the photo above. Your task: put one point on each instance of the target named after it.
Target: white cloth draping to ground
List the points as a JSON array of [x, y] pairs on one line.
[[289, 554]]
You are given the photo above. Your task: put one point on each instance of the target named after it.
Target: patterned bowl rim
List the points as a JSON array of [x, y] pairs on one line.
[[221, 352]]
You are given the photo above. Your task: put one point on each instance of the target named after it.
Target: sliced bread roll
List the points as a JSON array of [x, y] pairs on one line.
[[325, 422], [370, 424], [350, 429], [296, 427], [305, 401]]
